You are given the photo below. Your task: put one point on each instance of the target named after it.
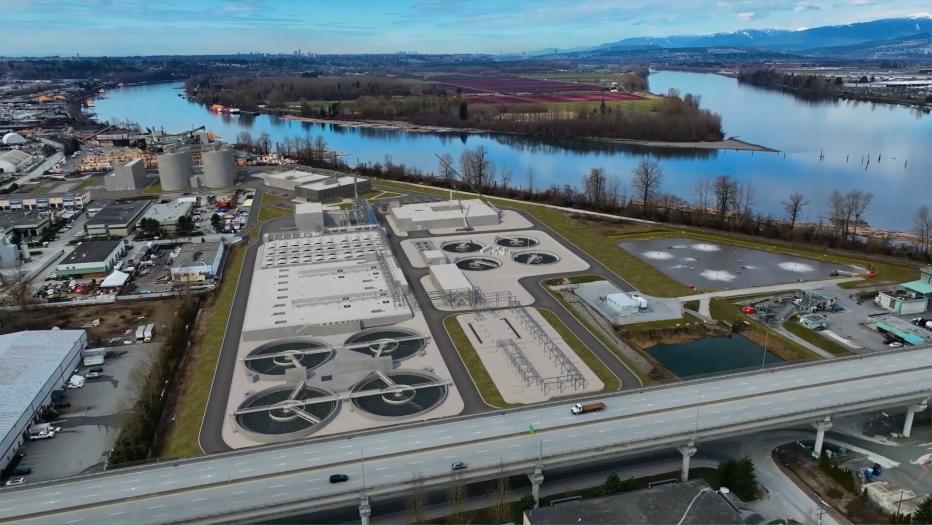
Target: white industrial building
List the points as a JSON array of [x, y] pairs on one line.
[[335, 282], [91, 259], [198, 261], [622, 303], [32, 365], [13, 139], [318, 185], [309, 216], [14, 160], [444, 214], [130, 176]]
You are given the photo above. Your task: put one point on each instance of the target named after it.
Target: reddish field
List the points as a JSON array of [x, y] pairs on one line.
[[512, 85], [515, 90]]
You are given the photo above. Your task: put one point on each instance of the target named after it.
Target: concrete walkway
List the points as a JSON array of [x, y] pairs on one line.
[[760, 290], [802, 342]]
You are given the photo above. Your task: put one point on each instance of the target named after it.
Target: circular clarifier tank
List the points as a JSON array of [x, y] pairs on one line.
[[282, 413], [517, 241], [274, 358], [478, 264], [405, 393], [461, 246], [397, 343], [535, 258]]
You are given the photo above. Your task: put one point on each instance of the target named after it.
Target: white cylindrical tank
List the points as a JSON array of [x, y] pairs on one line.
[[175, 170], [219, 168]]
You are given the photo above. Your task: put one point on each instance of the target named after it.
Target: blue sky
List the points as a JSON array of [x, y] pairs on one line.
[[131, 27]]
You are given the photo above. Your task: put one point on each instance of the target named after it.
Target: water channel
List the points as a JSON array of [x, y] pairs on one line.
[[823, 144]]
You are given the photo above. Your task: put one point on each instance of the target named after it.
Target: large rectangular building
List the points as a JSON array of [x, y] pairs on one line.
[[68, 200], [129, 176], [91, 259], [168, 213], [335, 282], [318, 186], [32, 365], [444, 215], [116, 219]]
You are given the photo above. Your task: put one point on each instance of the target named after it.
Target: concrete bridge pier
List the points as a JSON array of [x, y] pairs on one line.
[[536, 477], [688, 451], [821, 427], [910, 414], [364, 510]]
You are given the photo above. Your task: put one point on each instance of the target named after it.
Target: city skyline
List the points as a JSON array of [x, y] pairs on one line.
[[136, 27]]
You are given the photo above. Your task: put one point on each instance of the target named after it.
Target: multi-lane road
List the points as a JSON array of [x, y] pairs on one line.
[[295, 476]]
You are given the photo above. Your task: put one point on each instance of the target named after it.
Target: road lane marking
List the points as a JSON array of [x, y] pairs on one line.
[[276, 486], [155, 507], [198, 499], [311, 480], [117, 513], [245, 470], [280, 494], [240, 493], [382, 468], [91, 495], [75, 521]]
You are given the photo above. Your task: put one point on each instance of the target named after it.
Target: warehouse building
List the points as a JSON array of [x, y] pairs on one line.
[[197, 261], [168, 213], [92, 259], [116, 219], [909, 298], [464, 214], [318, 185], [32, 364], [29, 224], [14, 160], [130, 176], [309, 216], [43, 201]]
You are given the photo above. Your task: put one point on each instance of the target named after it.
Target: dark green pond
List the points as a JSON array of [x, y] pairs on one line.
[[712, 355]]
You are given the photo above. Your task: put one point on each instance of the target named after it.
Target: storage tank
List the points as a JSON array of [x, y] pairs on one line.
[[219, 169], [175, 170]]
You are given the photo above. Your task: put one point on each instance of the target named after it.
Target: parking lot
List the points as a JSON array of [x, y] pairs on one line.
[[91, 424]]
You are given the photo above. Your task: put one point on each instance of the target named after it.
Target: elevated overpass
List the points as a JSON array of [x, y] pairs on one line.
[[262, 483]]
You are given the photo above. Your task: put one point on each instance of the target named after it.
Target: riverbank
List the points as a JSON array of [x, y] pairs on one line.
[[726, 144]]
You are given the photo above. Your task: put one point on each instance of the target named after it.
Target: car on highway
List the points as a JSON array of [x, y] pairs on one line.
[[338, 478], [12, 482], [459, 465]]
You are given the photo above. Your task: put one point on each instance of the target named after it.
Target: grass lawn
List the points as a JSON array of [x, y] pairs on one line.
[[182, 438], [660, 325], [611, 382], [480, 376], [691, 305], [154, 189], [813, 337], [87, 183], [268, 210]]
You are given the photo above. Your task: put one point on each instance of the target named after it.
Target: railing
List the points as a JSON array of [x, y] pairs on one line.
[[571, 375]]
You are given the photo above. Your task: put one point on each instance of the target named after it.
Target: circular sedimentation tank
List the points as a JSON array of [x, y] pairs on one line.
[[276, 364], [399, 399], [535, 258], [461, 246], [277, 421], [388, 342], [517, 241], [478, 264]]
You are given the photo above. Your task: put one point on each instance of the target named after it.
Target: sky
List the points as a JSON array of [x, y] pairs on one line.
[[152, 27]]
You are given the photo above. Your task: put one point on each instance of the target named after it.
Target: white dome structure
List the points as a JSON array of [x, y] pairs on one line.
[[13, 139]]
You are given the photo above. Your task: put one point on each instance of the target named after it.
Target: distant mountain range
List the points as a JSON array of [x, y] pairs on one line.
[[891, 37]]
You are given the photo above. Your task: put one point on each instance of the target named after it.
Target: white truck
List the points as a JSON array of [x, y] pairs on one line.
[[147, 333], [140, 332]]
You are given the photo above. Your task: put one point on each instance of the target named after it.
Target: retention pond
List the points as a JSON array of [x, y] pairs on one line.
[[712, 355]]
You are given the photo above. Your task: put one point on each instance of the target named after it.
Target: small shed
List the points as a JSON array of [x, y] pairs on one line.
[[622, 303], [814, 321], [116, 279]]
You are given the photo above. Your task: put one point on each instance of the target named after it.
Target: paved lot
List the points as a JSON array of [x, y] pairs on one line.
[[719, 266], [91, 424]]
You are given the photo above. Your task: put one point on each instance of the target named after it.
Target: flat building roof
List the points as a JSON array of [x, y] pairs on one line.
[[196, 253], [434, 211], [91, 251], [118, 213], [168, 212], [449, 277]]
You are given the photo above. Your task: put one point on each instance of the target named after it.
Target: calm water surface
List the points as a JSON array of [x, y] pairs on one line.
[[842, 133], [712, 355]]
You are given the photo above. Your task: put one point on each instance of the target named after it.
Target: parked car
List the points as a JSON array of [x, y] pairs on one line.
[[459, 465], [338, 478], [15, 481], [93, 375], [22, 470]]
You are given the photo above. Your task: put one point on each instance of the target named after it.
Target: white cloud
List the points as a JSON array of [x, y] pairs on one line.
[[921, 15], [746, 16]]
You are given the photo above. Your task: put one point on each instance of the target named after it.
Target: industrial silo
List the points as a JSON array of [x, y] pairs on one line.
[[175, 170], [218, 166]]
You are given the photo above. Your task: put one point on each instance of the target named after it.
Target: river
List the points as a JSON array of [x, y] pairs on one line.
[[823, 145]]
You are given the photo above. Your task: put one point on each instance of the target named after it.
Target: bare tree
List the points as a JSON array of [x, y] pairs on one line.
[[530, 181], [615, 191], [725, 190], [793, 205], [417, 503], [456, 499], [504, 177], [702, 191], [746, 191], [922, 227], [594, 186], [482, 169], [501, 496], [838, 213], [647, 179], [859, 202]]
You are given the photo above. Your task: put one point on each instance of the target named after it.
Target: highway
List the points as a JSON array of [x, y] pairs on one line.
[[294, 477]]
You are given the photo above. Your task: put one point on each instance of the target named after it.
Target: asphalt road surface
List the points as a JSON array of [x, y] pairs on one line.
[[277, 475]]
